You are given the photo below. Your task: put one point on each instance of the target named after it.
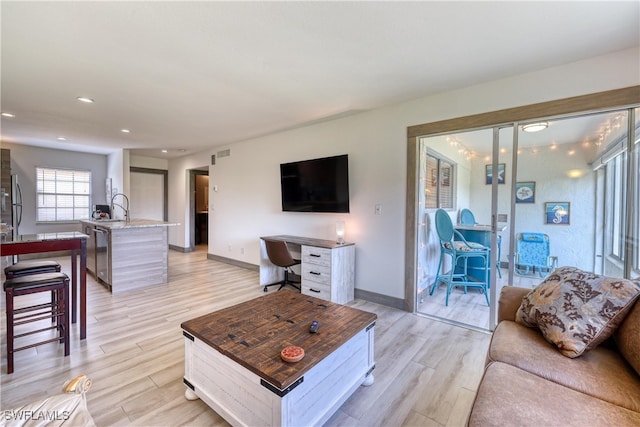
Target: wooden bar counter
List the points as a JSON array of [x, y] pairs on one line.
[[232, 359]]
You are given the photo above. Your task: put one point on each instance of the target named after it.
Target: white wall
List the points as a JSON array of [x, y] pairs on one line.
[[247, 204], [118, 164], [549, 168], [148, 162]]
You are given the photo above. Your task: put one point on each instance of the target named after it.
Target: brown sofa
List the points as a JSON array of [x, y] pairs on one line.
[[528, 382]]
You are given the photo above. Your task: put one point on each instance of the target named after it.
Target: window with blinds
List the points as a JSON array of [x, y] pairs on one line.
[[439, 183], [636, 212], [615, 169], [62, 195]]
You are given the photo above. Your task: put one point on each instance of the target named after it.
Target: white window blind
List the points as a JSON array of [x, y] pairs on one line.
[[62, 194], [439, 182]]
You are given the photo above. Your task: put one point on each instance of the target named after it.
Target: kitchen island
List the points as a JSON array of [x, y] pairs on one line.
[[126, 255]]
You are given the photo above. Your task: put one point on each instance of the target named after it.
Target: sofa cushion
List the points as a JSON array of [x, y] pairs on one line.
[[627, 337], [601, 373], [509, 396], [577, 310]]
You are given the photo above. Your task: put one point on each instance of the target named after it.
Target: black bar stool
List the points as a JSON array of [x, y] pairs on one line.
[[24, 268], [57, 309]]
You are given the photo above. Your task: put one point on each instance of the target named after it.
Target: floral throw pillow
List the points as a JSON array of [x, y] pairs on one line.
[[577, 310]]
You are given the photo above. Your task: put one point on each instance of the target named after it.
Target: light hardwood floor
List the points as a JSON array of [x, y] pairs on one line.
[[470, 308], [426, 371]]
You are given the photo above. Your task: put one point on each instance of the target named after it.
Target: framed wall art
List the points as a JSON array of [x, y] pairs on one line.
[[526, 192], [557, 213], [489, 173]]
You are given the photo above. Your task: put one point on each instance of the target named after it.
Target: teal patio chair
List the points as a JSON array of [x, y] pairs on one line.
[[468, 218], [533, 254], [460, 251]]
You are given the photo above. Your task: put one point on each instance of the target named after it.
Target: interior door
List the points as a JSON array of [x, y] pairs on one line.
[[147, 196]]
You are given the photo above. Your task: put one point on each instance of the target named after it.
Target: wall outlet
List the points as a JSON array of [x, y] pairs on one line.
[[241, 251], [229, 248], [378, 209]]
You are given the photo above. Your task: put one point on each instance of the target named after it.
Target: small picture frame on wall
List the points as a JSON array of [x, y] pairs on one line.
[[489, 173], [526, 192], [557, 213]]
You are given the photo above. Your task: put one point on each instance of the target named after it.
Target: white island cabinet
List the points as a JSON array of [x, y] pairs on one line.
[[128, 255]]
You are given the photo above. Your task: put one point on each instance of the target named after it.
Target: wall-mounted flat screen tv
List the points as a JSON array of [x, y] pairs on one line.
[[317, 185]]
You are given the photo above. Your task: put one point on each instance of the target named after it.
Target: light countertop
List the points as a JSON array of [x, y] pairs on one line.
[[133, 223], [501, 226]]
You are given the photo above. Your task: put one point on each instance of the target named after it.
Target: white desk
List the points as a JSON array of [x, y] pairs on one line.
[[327, 268]]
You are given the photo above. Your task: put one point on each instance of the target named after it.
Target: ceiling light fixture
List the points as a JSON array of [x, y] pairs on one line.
[[125, 131], [7, 115], [85, 99], [61, 138], [164, 151], [535, 127]]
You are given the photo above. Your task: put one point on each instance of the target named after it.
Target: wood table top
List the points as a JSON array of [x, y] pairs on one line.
[[254, 332], [308, 241]]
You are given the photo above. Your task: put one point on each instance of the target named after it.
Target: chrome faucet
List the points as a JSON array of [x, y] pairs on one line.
[[126, 210]]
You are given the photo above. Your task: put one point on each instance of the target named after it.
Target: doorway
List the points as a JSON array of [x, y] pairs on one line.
[[149, 193], [199, 207], [458, 174]]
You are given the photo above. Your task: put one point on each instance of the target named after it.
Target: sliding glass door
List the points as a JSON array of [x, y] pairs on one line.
[[618, 198], [456, 174], [566, 194]]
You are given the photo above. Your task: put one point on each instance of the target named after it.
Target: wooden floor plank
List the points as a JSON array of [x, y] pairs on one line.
[[426, 371]]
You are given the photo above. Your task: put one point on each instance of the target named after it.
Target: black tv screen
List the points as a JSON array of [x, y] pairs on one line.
[[318, 185]]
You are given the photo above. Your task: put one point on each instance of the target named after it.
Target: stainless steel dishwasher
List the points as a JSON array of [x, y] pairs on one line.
[[103, 272], [89, 230]]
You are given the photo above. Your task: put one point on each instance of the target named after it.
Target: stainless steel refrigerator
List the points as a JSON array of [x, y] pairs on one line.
[[16, 205], [11, 206]]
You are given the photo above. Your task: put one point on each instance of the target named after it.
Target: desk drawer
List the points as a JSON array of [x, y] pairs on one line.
[[316, 273], [317, 290], [316, 256]]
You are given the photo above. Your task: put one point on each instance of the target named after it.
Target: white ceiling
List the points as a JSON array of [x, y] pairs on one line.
[[187, 76]]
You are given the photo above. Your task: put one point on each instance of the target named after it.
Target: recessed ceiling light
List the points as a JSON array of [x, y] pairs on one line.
[[535, 127], [164, 151], [85, 99], [61, 138], [125, 131], [7, 115]]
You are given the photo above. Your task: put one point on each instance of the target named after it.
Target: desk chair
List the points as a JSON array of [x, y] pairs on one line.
[[460, 251], [468, 218], [279, 255]]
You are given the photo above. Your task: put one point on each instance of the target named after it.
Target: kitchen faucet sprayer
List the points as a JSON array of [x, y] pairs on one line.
[[126, 210]]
